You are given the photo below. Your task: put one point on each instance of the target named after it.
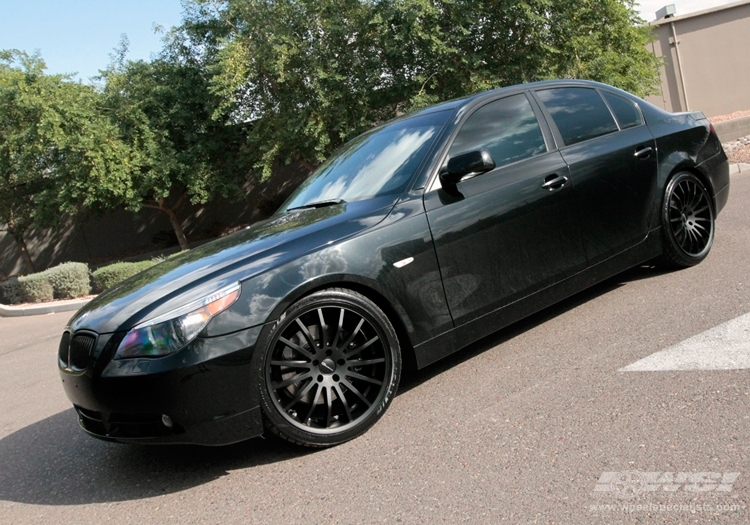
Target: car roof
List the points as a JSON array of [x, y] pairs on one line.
[[467, 100]]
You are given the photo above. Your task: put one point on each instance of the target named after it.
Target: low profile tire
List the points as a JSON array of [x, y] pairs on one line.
[[331, 368], [687, 220]]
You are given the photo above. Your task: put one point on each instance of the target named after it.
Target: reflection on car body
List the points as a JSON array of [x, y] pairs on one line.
[[412, 241]]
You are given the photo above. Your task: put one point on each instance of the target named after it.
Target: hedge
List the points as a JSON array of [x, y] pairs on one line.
[[108, 276], [36, 288], [10, 291], [69, 280], [65, 281]]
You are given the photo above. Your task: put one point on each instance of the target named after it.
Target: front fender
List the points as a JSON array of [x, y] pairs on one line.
[[414, 291]]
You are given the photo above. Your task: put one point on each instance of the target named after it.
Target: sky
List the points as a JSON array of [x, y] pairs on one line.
[[77, 36]]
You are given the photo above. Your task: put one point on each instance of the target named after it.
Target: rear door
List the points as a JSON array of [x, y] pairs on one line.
[[507, 233], [612, 161]]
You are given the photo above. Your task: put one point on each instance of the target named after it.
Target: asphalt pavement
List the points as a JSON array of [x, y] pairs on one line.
[[565, 417]]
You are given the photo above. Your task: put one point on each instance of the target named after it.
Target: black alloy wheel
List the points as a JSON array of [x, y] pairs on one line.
[[688, 220], [331, 368]]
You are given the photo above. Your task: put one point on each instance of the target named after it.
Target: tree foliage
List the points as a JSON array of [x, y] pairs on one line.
[[52, 137], [243, 85], [309, 74], [183, 149]]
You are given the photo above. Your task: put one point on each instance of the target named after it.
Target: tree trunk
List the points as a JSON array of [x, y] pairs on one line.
[[307, 165], [176, 224], [21, 244]]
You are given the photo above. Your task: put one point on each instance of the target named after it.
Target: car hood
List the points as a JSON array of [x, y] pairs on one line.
[[191, 275]]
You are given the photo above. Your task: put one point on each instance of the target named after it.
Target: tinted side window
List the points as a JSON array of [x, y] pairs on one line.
[[625, 111], [579, 113], [507, 128]]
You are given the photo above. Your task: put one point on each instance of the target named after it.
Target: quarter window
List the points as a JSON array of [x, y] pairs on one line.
[[626, 113], [507, 128], [579, 113]]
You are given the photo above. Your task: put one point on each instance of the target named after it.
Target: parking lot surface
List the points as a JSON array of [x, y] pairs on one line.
[[628, 403]]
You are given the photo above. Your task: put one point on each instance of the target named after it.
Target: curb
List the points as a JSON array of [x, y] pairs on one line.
[[732, 129], [739, 168], [42, 309]]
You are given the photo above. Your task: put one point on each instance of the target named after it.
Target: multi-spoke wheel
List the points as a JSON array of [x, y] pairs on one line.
[[331, 368], [688, 221]]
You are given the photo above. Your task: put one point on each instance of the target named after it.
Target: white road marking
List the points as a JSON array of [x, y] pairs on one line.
[[724, 347]]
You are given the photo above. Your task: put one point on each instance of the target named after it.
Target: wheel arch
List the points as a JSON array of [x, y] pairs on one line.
[[393, 310], [695, 170]]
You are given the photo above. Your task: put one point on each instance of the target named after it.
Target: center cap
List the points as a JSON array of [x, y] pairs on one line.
[[327, 366]]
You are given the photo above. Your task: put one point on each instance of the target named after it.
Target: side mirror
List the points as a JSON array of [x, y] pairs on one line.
[[479, 161]]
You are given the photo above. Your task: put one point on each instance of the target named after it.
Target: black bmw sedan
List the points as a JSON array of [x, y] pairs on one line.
[[412, 241]]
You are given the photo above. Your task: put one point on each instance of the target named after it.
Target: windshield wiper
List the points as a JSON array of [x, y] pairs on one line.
[[318, 204]]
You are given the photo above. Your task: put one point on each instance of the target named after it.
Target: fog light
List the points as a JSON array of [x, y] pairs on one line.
[[166, 420]]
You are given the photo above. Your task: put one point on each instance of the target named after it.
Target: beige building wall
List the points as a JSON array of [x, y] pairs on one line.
[[707, 66]]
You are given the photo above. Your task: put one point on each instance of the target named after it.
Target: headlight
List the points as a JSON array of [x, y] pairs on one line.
[[170, 332]]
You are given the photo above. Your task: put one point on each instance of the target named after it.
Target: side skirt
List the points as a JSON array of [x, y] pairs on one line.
[[461, 336]]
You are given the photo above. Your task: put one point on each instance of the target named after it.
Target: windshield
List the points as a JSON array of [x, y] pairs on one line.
[[379, 162]]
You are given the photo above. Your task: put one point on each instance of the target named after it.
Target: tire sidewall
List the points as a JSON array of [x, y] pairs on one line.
[[362, 306], [672, 249]]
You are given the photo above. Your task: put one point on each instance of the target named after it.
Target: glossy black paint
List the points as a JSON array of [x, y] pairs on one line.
[[487, 251], [616, 191], [503, 236], [458, 167], [203, 389]]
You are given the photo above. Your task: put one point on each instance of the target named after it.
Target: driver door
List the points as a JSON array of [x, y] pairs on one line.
[[505, 234]]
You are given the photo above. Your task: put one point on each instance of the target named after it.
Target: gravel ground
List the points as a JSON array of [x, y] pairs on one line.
[[740, 154], [738, 150], [730, 116]]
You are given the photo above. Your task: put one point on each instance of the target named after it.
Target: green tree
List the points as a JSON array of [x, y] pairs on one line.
[[57, 153], [604, 41], [184, 150], [309, 74]]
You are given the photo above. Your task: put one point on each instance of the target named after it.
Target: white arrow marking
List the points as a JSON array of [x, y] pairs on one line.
[[724, 347]]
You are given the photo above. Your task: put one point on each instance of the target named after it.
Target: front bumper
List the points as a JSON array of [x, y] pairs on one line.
[[204, 394]]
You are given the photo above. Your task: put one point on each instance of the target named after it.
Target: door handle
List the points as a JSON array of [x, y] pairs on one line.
[[643, 153], [554, 182]]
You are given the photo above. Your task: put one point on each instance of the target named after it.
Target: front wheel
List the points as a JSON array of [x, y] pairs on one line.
[[331, 368], [687, 221]]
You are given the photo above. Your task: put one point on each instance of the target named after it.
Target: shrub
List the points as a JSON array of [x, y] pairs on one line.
[[36, 288], [10, 291], [108, 276], [69, 280], [65, 281]]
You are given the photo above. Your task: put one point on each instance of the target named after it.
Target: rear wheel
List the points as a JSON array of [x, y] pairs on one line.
[[687, 220], [331, 368]]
